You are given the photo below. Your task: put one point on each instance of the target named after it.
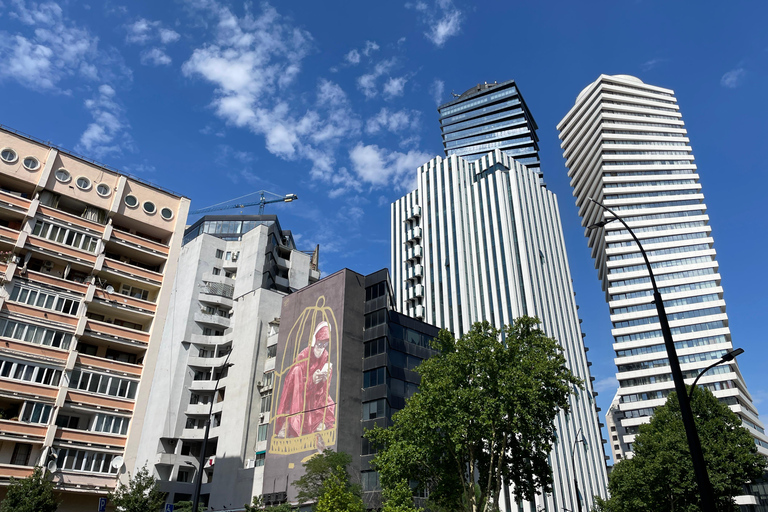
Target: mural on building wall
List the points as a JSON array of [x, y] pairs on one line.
[[307, 389]]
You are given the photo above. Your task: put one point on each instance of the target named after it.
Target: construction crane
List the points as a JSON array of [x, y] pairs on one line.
[[262, 202]]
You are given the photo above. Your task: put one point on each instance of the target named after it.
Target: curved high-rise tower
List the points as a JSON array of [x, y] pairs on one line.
[[625, 145]]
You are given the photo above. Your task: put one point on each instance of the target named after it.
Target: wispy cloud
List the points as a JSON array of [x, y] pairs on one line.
[[108, 133], [155, 57], [144, 31], [651, 64], [443, 20], [395, 122], [437, 89], [606, 385], [733, 78], [354, 56], [367, 82], [394, 87]]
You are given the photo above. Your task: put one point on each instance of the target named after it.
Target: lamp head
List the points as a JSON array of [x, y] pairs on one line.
[[601, 223], [730, 356], [290, 197]]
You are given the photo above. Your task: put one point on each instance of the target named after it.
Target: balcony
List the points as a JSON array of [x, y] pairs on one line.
[[88, 362], [413, 253], [137, 242], [119, 300], [208, 277], [206, 362], [64, 284], [418, 312], [19, 430], [125, 269], [314, 275], [34, 350], [413, 213], [196, 434], [202, 339], [46, 247], [8, 235], [203, 385], [212, 319], [89, 438], [12, 470], [413, 234], [72, 220], [200, 409], [99, 401], [13, 202], [414, 272], [219, 300], [28, 389], [42, 315], [117, 332], [415, 292]]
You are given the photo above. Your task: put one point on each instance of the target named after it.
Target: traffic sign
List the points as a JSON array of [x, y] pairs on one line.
[[102, 504], [169, 507]]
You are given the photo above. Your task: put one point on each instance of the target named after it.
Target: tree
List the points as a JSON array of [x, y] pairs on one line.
[[398, 498], [337, 495], [318, 470], [484, 412], [140, 495], [660, 474], [186, 506], [258, 506], [31, 494]]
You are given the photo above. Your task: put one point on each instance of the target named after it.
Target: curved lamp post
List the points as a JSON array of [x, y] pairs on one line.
[[573, 463], [730, 356], [199, 479], [694, 444]]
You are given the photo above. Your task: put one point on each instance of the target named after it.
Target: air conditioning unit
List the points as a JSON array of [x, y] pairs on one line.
[[250, 463], [48, 264]]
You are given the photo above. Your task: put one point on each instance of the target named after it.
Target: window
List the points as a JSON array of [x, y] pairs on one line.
[[373, 347], [21, 453], [219, 253], [268, 378], [8, 155], [35, 412], [131, 201], [44, 299], [132, 291], [83, 183], [62, 175], [272, 351], [166, 213], [103, 190], [149, 207], [67, 421], [184, 475], [370, 480], [103, 384], [259, 460], [266, 402], [375, 409], [34, 334], [374, 377], [216, 271], [65, 236], [376, 318], [86, 461], [31, 163], [262, 433]]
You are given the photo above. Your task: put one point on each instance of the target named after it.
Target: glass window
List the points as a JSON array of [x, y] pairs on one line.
[[149, 207], [166, 213], [131, 201], [103, 190], [8, 155], [31, 163], [83, 183], [63, 175]]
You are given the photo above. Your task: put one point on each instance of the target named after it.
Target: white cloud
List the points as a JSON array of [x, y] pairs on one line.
[[370, 46], [733, 78], [393, 121], [606, 385], [380, 167], [443, 20], [107, 134], [437, 89], [651, 64], [367, 82], [353, 57], [395, 87], [155, 57], [143, 31]]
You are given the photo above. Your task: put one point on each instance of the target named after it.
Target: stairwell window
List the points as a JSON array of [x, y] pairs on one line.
[[65, 236]]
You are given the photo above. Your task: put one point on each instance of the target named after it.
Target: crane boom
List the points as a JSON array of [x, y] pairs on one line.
[[262, 202]]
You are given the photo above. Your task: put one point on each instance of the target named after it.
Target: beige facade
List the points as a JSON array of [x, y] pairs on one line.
[[84, 255]]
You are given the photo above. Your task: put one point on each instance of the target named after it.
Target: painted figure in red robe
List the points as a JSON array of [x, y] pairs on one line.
[[305, 403]]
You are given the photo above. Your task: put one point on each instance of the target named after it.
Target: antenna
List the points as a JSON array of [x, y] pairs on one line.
[[117, 462], [109, 288], [52, 466]]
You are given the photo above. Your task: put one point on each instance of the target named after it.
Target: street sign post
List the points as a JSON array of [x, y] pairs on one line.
[[169, 507], [102, 504]]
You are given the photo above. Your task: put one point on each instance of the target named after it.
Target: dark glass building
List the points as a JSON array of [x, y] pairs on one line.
[[488, 117]]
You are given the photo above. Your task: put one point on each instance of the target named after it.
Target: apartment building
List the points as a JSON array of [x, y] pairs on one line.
[[85, 252], [234, 271]]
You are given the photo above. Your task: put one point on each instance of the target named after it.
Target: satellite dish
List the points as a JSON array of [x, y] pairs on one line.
[[110, 289], [117, 462], [52, 466]]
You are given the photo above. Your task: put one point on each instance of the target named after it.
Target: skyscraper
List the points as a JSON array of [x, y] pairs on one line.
[[482, 240], [626, 146], [488, 117], [87, 256]]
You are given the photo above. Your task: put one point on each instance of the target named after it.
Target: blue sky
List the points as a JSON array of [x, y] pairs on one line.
[[336, 102]]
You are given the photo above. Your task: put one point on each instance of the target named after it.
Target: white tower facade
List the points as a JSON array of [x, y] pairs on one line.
[[482, 240], [626, 146]]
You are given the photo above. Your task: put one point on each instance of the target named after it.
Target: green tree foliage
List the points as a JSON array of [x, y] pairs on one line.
[[337, 495], [398, 498], [31, 494], [186, 506], [485, 407], [318, 470], [258, 506], [140, 495], [660, 475]]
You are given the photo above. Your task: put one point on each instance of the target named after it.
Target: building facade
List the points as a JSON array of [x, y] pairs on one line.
[[626, 146], [234, 271], [345, 329], [488, 117], [87, 254], [482, 240]]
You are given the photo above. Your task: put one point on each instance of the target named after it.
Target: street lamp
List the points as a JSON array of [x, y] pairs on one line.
[[199, 476], [694, 444], [573, 463], [730, 356]]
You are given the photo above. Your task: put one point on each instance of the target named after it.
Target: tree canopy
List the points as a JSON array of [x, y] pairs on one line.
[[31, 494], [140, 495], [337, 495], [398, 498], [660, 474], [484, 412], [318, 470]]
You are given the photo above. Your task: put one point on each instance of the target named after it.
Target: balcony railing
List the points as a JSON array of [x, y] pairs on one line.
[[88, 438], [14, 202], [79, 397], [133, 271], [58, 282], [87, 361], [48, 247], [68, 218], [12, 470], [140, 242], [28, 388], [8, 234], [116, 331], [30, 431], [118, 299]]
